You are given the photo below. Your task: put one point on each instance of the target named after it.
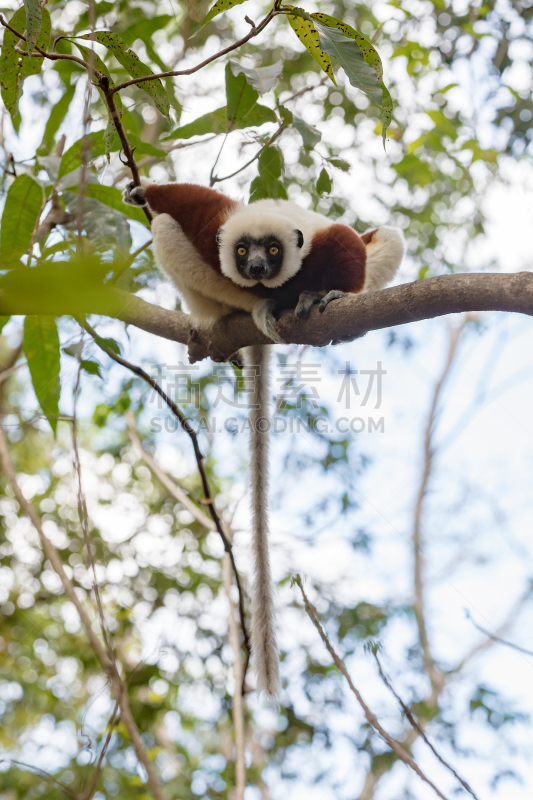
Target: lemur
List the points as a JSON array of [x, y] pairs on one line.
[[223, 255]]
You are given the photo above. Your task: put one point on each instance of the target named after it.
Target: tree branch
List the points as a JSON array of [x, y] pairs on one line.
[[255, 31], [353, 315], [395, 746], [416, 725], [435, 675], [51, 56]]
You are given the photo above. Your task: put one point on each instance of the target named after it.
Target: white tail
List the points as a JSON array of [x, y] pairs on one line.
[[264, 644]]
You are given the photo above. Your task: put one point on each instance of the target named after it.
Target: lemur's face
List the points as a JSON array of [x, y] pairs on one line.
[[260, 258]]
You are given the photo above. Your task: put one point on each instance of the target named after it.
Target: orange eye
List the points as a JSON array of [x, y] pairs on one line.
[[241, 251], [274, 250]]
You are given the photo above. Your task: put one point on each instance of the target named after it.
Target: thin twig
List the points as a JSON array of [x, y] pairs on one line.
[[128, 261], [51, 56], [84, 521], [185, 424], [7, 373], [414, 722], [434, 673], [43, 774], [498, 639], [126, 147], [88, 793], [176, 73], [117, 685], [170, 485], [371, 718], [275, 135]]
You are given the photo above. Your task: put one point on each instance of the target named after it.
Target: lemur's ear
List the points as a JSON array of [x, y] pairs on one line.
[[299, 238]]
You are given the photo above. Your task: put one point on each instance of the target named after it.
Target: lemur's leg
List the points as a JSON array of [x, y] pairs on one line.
[[203, 310], [134, 195], [263, 316], [306, 301]]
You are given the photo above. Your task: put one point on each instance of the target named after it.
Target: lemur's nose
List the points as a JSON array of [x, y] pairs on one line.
[[258, 268]]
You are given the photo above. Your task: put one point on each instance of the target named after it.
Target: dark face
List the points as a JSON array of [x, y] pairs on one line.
[[259, 259]]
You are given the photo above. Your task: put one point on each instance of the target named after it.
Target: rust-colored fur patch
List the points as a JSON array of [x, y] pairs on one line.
[[368, 236], [336, 261], [200, 212]]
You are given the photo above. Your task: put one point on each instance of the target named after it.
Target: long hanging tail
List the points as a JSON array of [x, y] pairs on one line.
[[264, 644]]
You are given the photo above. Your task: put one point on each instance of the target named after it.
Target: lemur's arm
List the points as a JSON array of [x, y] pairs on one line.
[[200, 211]]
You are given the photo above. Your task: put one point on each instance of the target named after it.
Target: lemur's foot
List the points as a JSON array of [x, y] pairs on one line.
[[306, 301], [335, 294], [263, 316], [134, 195]]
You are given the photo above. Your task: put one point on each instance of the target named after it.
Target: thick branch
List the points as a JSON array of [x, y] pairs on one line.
[[351, 316]]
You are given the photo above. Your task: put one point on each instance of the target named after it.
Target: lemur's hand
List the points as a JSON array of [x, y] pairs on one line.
[[134, 195]]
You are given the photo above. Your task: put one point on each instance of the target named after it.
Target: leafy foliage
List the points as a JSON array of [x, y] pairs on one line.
[[312, 137]]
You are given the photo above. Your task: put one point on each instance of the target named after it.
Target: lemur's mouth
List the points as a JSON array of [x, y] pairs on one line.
[[259, 269]]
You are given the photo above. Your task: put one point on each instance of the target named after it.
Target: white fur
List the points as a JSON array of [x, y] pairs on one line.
[[208, 294], [383, 257], [264, 645], [279, 218]]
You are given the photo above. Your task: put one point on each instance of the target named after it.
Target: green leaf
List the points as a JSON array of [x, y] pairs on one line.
[[89, 55], [33, 65], [213, 122], [262, 79], [219, 7], [340, 163], [359, 59], [73, 350], [41, 346], [57, 115], [241, 97], [310, 135], [33, 22], [14, 68], [91, 367], [145, 148], [10, 78], [267, 184], [94, 146], [217, 122], [3, 322], [21, 211], [303, 27], [323, 184], [134, 67], [112, 197]]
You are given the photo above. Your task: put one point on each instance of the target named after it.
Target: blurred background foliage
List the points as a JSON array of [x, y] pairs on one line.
[[462, 106]]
